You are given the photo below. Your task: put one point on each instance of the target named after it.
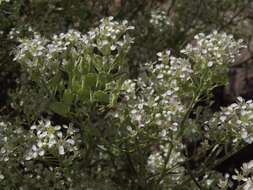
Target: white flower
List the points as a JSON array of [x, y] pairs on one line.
[[61, 150], [223, 118], [1, 176], [50, 137], [248, 185], [247, 167], [42, 152], [210, 63]]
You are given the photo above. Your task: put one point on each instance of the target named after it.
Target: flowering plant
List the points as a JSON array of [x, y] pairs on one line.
[[83, 121]]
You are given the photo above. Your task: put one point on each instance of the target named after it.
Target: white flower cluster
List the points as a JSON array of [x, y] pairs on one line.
[[159, 19], [152, 108], [224, 182], [14, 33], [169, 159], [43, 53], [244, 177], [171, 70], [214, 48], [248, 184], [233, 122], [155, 162], [30, 50], [9, 136], [59, 139], [157, 158], [215, 180], [159, 103], [110, 35]]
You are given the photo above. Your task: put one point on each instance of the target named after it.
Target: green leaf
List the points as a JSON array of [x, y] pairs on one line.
[[35, 75], [115, 93], [59, 108], [75, 85], [54, 81], [69, 69], [68, 97], [84, 94], [102, 80], [90, 81], [83, 68], [101, 96]]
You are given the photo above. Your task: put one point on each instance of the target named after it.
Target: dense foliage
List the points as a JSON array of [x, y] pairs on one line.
[[119, 94]]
